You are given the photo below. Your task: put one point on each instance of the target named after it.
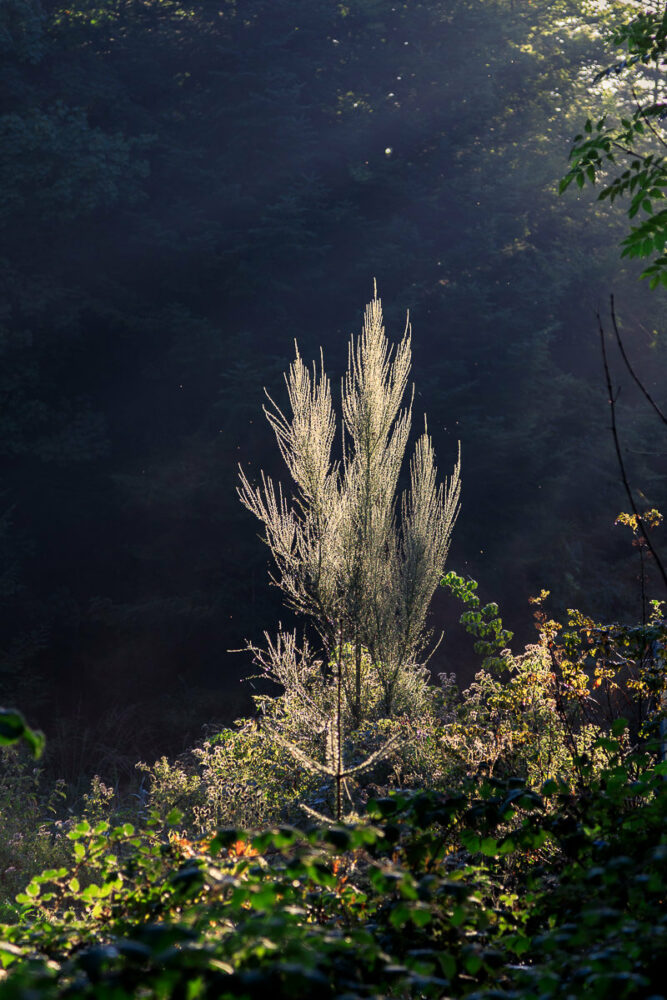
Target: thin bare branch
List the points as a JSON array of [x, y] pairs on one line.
[[631, 370], [619, 455], [647, 120]]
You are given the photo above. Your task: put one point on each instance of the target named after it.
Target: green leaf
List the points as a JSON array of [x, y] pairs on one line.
[[490, 847], [521, 944], [604, 743], [507, 846], [9, 953], [400, 915], [473, 964], [447, 964], [470, 841], [619, 726], [382, 807], [420, 915], [339, 838], [13, 728]]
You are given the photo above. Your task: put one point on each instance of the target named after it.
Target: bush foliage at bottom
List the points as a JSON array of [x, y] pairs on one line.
[[494, 890]]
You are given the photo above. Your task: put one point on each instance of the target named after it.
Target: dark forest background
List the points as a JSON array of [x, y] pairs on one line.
[[185, 188]]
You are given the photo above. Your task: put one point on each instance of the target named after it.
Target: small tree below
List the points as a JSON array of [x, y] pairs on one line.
[[358, 561]]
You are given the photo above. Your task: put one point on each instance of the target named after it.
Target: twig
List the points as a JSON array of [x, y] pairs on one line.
[[642, 112], [619, 456], [626, 361]]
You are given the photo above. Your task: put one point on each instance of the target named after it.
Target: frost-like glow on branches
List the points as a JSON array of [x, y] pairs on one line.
[[360, 562]]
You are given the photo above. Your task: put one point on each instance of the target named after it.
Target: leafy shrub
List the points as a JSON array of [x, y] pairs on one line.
[[239, 777], [530, 715], [513, 845], [434, 893], [534, 714], [30, 840]]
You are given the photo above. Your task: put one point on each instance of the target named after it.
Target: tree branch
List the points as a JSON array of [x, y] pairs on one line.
[[619, 456], [626, 361], [647, 120]]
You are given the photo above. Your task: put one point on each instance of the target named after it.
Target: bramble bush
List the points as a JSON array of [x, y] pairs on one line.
[[492, 890], [511, 845]]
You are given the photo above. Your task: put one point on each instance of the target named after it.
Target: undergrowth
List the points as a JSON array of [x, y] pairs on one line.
[[512, 843]]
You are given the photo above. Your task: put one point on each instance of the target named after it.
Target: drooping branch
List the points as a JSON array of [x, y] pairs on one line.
[[619, 455], [631, 370]]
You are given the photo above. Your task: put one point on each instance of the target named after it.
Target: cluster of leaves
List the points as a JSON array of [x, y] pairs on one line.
[[484, 622], [247, 776], [239, 776], [636, 139], [536, 713], [28, 819], [23, 835], [494, 890], [531, 714]]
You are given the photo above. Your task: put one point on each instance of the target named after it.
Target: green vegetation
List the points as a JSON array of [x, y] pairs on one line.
[[635, 140], [14, 729], [366, 829], [514, 846], [507, 841]]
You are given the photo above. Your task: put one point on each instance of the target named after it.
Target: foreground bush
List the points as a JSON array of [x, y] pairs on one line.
[[495, 890]]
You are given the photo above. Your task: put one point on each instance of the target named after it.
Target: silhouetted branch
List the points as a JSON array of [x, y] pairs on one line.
[[626, 361], [619, 456], [647, 120]]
